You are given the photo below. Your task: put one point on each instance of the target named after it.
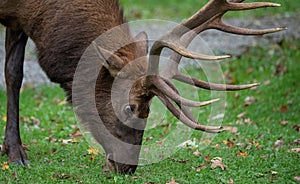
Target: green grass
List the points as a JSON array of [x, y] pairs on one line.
[[54, 162], [178, 9]]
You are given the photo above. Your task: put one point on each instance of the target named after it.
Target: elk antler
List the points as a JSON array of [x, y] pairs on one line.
[[209, 17]]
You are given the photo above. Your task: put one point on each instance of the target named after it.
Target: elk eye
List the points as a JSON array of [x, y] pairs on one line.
[[129, 109]]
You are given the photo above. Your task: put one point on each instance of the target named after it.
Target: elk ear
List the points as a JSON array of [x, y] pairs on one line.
[[110, 61], [141, 40]]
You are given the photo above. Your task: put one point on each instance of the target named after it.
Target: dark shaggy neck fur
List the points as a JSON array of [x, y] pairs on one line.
[[62, 29]]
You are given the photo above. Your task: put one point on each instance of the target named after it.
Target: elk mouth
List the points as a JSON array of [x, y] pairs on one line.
[[121, 168]]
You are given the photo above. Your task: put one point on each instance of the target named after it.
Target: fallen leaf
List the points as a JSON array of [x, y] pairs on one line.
[[242, 153], [189, 144], [15, 176], [248, 121], [296, 150], [272, 172], [60, 102], [172, 182], [218, 162], [284, 109], [228, 143], [200, 167], [296, 142], [297, 179], [93, 151], [207, 158], [77, 133], [249, 100], [5, 166], [68, 141], [231, 181], [217, 146], [35, 121], [279, 143], [296, 127], [242, 115], [179, 161], [283, 123], [196, 153], [61, 176]]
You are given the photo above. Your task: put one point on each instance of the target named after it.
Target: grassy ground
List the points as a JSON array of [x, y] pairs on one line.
[[178, 9], [260, 152]]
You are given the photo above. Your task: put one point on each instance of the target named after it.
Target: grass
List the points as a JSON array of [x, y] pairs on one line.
[[251, 154], [178, 10]]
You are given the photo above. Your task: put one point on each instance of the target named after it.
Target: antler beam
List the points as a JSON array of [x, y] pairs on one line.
[[177, 39]]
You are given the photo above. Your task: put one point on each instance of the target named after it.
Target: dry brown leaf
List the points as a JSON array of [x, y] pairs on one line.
[[296, 150], [15, 176], [218, 162], [242, 154], [172, 182], [249, 100], [77, 133], [283, 123], [242, 115], [207, 158], [284, 108], [228, 143], [231, 181], [296, 127], [200, 167]]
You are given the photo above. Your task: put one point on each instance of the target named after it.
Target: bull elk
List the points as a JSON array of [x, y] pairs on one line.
[[63, 29]]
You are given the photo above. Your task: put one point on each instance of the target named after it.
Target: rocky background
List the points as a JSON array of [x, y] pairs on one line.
[[218, 41]]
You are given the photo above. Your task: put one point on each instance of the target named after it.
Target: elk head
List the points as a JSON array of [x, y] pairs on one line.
[[122, 107]]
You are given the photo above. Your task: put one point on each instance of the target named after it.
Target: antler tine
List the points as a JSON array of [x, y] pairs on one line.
[[212, 86], [208, 17], [184, 109], [164, 88], [181, 116], [217, 23]]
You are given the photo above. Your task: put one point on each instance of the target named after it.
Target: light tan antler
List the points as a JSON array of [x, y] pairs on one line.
[[209, 17]]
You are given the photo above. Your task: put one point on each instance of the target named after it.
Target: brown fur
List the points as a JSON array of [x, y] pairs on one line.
[[62, 30]]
